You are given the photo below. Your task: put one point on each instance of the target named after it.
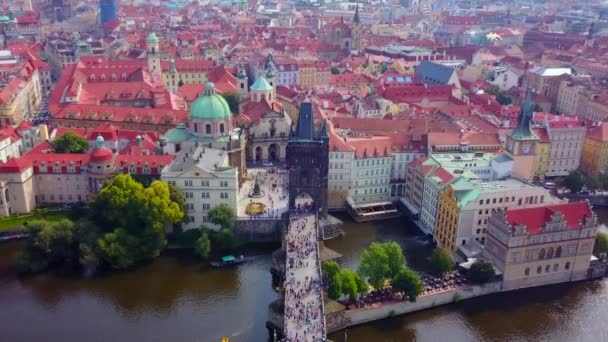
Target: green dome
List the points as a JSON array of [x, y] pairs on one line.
[[210, 106], [261, 84], [152, 38], [178, 134], [99, 142]]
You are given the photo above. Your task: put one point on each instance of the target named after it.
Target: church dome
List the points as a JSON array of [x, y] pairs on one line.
[[210, 106], [152, 38], [101, 153], [261, 84]]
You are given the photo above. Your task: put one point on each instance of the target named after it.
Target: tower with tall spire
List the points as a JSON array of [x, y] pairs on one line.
[[242, 79], [521, 141], [356, 30], [308, 160]]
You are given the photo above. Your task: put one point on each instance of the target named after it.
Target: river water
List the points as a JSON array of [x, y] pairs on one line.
[[174, 299]]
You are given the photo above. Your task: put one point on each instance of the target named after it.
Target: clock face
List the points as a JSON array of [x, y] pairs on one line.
[[525, 149]]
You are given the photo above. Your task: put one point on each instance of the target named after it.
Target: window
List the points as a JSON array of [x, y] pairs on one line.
[[205, 183], [188, 183], [206, 206], [541, 255], [224, 195], [567, 266], [207, 129], [221, 128], [550, 253], [547, 268], [555, 268], [204, 194], [527, 272], [223, 184], [539, 269], [558, 252]]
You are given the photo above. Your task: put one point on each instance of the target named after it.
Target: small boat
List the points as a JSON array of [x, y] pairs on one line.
[[228, 261]]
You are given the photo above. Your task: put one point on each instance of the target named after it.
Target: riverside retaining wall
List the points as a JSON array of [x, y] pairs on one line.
[[368, 314]]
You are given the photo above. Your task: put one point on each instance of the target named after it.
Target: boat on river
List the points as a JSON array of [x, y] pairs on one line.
[[228, 261]]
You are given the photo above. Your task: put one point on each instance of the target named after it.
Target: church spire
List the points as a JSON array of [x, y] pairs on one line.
[[522, 131], [356, 18]]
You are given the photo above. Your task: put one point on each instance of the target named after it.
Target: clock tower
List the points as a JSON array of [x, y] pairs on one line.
[[521, 142]]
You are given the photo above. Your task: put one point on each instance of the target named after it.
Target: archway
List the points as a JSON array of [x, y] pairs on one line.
[[304, 202], [347, 44], [274, 152], [258, 153]]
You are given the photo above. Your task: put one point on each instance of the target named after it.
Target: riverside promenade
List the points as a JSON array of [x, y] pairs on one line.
[[304, 318]]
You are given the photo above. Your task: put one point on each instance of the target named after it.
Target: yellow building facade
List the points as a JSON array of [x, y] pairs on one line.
[[595, 149], [448, 213]]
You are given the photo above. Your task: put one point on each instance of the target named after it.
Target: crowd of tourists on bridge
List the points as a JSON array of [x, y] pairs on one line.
[[304, 319]]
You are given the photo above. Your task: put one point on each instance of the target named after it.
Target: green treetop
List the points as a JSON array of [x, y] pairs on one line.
[[440, 261], [70, 142]]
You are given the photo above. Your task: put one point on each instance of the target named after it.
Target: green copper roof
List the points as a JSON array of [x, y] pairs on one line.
[[523, 131], [152, 38], [210, 106], [261, 84], [99, 142], [178, 134]]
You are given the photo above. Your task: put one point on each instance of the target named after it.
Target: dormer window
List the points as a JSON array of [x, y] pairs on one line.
[[92, 77], [123, 76], [113, 77], [102, 77]]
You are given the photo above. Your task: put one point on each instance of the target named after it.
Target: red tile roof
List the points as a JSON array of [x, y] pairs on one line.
[[599, 132], [535, 218]]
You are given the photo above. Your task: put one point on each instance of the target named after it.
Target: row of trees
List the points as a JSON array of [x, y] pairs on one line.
[[380, 263], [576, 180], [124, 226]]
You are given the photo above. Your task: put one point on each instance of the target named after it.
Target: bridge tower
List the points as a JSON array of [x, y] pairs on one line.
[[308, 160]]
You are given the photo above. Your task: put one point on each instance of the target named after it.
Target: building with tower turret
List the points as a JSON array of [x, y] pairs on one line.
[[42, 176], [521, 142], [209, 163], [174, 73], [356, 31], [266, 122], [308, 160], [242, 81]]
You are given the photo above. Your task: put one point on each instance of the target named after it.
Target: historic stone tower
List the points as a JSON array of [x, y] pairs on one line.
[[308, 160], [153, 54], [356, 30], [521, 142]]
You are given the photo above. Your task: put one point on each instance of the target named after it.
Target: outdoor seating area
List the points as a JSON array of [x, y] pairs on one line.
[[432, 285], [449, 281]]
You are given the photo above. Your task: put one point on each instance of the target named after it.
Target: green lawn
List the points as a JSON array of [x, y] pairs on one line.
[[17, 221]]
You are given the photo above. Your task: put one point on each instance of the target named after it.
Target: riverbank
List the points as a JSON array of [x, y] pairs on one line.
[[341, 319]]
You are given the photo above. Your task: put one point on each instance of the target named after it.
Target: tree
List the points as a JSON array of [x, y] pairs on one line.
[[350, 286], [189, 238], [50, 244], [601, 244], [408, 282], [203, 246], [133, 219], [331, 270], [573, 181], [335, 71], [537, 108], [374, 265], [222, 215], [493, 90], [592, 182], [603, 181], [440, 261], [180, 83], [362, 286], [481, 272], [503, 99], [177, 196], [233, 100], [70, 142], [396, 260]]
